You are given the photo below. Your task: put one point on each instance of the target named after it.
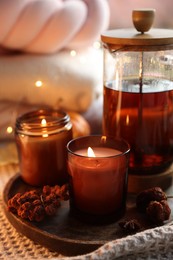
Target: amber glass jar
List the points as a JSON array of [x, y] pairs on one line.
[[41, 138]]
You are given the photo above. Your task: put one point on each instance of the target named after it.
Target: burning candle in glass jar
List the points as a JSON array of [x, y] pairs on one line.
[[41, 138], [97, 167]]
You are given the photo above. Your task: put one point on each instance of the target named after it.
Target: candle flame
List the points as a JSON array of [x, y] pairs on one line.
[[43, 122], [91, 152]]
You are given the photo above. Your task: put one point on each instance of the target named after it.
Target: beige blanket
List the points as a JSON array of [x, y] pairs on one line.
[[67, 81]]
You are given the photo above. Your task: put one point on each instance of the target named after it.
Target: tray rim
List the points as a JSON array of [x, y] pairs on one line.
[[66, 246]]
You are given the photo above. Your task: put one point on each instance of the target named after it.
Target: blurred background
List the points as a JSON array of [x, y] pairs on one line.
[[51, 56]]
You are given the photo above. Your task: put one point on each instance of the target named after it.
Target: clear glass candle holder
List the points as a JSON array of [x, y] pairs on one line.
[[41, 137], [98, 176]]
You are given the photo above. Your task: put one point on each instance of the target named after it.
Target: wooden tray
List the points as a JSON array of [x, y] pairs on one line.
[[63, 232]]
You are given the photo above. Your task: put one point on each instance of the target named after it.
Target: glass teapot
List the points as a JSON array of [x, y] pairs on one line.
[[138, 92]]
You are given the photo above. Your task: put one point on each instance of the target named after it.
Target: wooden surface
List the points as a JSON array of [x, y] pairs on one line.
[[65, 233]]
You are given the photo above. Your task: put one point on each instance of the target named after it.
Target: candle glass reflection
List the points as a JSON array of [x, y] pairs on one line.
[[98, 183], [41, 138]]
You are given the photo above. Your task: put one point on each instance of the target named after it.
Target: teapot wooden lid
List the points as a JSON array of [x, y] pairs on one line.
[[131, 37], [142, 35]]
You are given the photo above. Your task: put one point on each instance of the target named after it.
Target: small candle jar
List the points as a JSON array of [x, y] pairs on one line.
[[98, 181], [41, 138]]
